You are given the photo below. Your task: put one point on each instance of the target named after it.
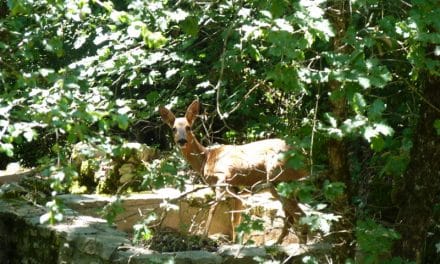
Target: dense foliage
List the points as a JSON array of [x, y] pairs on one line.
[[348, 82]]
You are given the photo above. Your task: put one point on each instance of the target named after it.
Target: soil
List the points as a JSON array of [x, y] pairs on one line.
[[169, 240]]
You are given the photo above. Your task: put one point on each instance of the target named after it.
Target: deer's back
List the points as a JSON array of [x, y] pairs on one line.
[[245, 165]]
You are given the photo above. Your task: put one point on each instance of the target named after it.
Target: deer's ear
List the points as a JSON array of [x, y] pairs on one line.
[[167, 116], [192, 112]]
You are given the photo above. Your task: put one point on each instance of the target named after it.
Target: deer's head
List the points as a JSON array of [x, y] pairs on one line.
[[181, 126]]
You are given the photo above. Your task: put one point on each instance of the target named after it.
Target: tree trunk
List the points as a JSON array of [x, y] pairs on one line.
[[337, 150], [338, 171], [421, 185]]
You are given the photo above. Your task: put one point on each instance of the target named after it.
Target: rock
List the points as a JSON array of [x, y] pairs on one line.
[[242, 254], [197, 257], [127, 172], [11, 190], [135, 255], [137, 206], [13, 167], [141, 152], [103, 174], [81, 239], [86, 239], [14, 173]]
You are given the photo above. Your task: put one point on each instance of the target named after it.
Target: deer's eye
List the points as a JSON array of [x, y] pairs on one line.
[[187, 128], [174, 129]]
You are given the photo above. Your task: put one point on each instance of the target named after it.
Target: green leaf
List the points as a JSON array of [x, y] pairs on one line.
[[302, 190], [190, 26], [437, 126], [44, 72], [135, 29], [254, 52], [358, 103], [119, 17], [122, 121], [383, 129], [309, 260], [169, 169], [374, 130], [320, 221], [155, 40], [19, 7], [7, 148], [178, 15], [305, 193], [332, 120], [364, 82], [324, 29], [29, 134], [374, 240], [44, 218], [377, 144], [352, 125], [296, 161], [333, 190], [285, 78], [396, 165], [286, 189], [80, 40], [55, 45], [277, 7], [370, 133], [376, 109], [152, 96]]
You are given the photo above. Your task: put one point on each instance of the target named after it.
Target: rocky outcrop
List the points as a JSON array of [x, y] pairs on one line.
[[86, 239], [80, 239]]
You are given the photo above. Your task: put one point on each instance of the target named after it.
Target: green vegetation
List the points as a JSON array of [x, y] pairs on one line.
[[354, 85]]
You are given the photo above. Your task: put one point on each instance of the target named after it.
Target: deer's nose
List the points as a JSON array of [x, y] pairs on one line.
[[182, 141]]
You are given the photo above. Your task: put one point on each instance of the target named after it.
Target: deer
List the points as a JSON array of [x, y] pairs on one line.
[[259, 162]]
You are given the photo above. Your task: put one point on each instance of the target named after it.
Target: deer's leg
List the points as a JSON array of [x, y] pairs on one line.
[[236, 216], [218, 196], [292, 211], [285, 230], [237, 207], [211, 213]]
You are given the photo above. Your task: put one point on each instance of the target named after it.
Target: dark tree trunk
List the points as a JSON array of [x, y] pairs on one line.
[[421, 185], [337, 150], [338, 166]]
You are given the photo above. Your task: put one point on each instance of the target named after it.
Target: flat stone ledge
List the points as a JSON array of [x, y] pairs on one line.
[[141, 256], [79, 239], [14, 173], [187, 214], [86, 239]]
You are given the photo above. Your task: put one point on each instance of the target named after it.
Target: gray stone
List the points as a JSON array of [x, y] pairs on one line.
[[11, 190], [197, 257], [86, 239], [242, 254], [135, 255]]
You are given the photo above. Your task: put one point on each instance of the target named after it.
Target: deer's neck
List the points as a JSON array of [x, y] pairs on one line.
[[195, 154]]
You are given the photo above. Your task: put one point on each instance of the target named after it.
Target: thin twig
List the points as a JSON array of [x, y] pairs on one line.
[[236, 196], [222, 69], [244, 98], [220, 78], [58, 152], [188, 192], [203, 117], [312, 139]]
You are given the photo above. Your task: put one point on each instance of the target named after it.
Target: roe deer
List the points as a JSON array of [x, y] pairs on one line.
[[234, 165]]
